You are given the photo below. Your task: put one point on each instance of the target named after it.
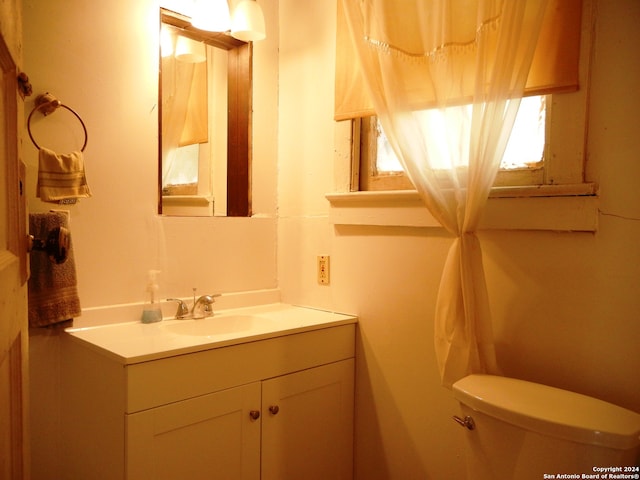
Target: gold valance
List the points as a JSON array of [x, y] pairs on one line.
[[554, 68]]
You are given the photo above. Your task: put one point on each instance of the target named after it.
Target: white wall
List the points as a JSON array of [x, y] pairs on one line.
[[565, 305]]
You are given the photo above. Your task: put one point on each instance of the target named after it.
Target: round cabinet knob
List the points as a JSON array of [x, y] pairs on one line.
[[274, 409], [254, 414]]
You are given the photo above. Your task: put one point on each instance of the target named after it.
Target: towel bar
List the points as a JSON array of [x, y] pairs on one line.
[[47, 103]]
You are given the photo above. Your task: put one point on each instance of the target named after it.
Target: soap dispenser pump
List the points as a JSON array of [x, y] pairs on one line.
[[152, 312]]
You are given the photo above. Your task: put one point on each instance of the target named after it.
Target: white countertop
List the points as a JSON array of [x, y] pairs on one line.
[[135, 342]]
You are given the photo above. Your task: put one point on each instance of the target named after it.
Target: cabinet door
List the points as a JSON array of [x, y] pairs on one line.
[[207, 437], [307, 424]]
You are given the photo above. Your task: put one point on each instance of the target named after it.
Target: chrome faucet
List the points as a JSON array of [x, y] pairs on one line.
[[202, 307]]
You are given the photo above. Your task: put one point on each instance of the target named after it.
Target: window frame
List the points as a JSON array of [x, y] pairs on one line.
[[553, 170]]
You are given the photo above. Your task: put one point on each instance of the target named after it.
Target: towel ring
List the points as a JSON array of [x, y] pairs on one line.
[[47, 103]]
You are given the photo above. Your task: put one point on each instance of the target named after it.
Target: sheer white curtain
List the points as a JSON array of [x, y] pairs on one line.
[[446, 78], [184, 110]]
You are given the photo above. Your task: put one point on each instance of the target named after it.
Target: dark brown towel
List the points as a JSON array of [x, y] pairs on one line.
[[53, 293]]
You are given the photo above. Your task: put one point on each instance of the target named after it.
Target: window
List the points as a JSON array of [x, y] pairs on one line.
[[378, 167], [545, 155], [564, 201], [182, 173]]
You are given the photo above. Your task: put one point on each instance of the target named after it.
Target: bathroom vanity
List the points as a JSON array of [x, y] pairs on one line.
[[255, 393]]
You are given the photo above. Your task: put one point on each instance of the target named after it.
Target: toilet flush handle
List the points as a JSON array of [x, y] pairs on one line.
[[465, 422]]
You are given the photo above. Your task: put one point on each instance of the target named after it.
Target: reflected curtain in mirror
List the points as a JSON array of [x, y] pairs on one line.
[[184, 119]]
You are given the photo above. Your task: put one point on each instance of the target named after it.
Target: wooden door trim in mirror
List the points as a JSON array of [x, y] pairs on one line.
[[183, 23], [239, 132], [239, 97]]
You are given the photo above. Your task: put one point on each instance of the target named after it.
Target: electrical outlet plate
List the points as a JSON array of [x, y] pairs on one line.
[[323, 269]]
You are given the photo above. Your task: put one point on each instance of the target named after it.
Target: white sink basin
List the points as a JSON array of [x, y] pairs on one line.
[[216, 325], [134, 342]]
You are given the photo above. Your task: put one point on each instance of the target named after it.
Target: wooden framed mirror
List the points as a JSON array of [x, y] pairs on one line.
[[221, 151]]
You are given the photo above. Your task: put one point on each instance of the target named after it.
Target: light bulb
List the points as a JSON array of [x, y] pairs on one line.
[[211, 15]]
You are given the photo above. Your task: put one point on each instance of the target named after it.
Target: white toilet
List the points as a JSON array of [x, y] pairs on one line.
[[521, 430]]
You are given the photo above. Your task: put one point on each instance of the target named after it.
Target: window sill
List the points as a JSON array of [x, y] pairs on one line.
[[558, 208], [187, 205]]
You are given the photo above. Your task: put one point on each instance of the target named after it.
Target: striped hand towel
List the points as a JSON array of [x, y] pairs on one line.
[[61, 177]]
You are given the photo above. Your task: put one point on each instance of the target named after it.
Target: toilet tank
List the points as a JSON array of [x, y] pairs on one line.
[[524, 430]]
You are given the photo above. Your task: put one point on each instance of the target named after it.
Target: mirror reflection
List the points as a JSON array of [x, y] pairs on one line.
[[205, 83]]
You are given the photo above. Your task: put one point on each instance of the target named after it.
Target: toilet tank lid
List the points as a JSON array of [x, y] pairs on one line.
[[550, 411]]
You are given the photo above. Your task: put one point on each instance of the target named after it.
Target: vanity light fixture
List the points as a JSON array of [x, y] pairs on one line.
[[190, 51], [246, 23]]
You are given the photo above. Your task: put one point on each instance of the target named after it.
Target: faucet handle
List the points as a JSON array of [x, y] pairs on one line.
[[183, 310], [212, 298]]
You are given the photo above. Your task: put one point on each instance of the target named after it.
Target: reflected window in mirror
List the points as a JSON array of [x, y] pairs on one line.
[[194, 121], [205, 104]]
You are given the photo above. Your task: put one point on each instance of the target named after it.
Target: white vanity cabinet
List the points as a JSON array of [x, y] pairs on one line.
[[274, 409], [298, 424]]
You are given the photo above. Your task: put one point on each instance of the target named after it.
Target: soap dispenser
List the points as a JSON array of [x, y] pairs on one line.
[[151, 311]]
